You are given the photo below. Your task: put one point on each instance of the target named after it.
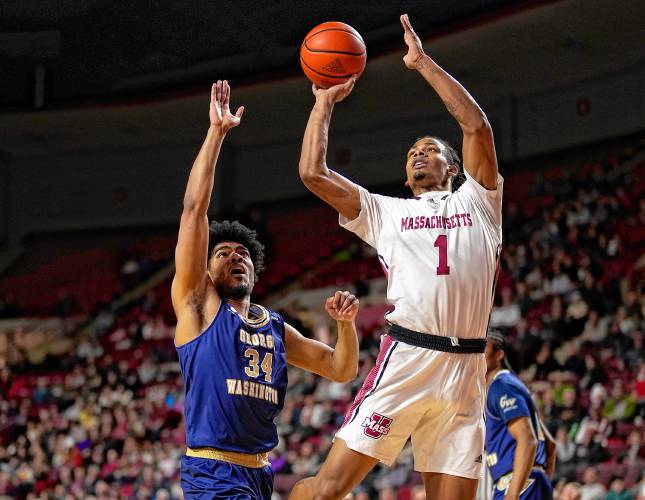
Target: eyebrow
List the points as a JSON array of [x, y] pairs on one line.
[[229, 247], [425, 144]]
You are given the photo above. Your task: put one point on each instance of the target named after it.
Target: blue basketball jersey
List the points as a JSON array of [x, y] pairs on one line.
[[508, 398], [235, 376]]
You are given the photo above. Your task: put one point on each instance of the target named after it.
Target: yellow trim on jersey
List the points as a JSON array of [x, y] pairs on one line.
[[253, 461], [261, 320]]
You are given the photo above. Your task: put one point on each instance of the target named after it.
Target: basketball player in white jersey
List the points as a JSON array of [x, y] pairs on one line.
[[440, 251]]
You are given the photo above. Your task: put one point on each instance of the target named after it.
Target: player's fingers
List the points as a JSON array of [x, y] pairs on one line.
[[329, 303], [227, 93], [213, 92], [351, 303], [338, 297], [347, 301], [352, 308], [239, 112], [405, 22], [218, 91]]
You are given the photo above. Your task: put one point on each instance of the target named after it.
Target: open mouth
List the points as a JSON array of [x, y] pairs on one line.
[[238, 271], [418, 164]]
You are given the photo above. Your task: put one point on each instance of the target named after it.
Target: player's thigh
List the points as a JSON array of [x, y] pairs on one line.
[[203, 478], [449, 438], [343, 469], [440, 485]]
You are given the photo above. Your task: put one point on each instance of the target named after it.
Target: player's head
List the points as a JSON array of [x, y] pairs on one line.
[[433, 164], [495, 351], [235, 258]]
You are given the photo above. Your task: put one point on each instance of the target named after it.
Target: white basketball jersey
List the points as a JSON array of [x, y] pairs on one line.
[[440, 252]]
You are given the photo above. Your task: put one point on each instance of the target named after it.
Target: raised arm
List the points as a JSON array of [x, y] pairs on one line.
[[340, 363], [331, 187], [478, 149], [191, 253]]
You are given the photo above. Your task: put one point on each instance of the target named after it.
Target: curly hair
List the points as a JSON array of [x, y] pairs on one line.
[[238, 233], [453, 159]]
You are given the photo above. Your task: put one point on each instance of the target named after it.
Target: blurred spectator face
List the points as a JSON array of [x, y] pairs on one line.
[[617, 486], [569, 398], [571, 492], [598, 395], [387, 494], [634, 438], [590, 476], [617, 390]]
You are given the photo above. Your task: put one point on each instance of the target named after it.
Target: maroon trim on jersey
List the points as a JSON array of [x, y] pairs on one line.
[[372, 380], [386, 268]]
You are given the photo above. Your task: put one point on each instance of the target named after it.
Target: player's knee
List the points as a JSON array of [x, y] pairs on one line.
[[329, 488]]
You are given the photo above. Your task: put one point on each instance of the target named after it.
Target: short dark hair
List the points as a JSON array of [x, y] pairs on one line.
[[497, 339], [453, 159], [238, 233]]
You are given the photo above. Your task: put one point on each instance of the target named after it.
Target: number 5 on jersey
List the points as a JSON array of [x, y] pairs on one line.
[[253, 370]]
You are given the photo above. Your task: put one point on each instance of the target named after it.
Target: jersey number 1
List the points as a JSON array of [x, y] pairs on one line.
[[442, 244]]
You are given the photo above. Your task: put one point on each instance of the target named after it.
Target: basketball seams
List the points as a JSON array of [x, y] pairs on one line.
[[319, 51], [358, 37]]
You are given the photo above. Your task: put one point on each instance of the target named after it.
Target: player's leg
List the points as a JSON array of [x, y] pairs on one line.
[[207, 478], [448, 441], [440, 485], [342, 471], [377, 425]]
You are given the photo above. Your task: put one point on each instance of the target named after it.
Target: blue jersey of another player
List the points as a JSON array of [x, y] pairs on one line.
[[235, 374], [508, 398]]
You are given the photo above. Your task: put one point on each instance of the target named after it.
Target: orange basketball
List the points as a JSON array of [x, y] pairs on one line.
[[331, 53]]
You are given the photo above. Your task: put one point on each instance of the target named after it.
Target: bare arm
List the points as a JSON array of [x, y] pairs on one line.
[[525, 449], [340, 363], [478, 149], [549, 442], [338, 191], [191, 253]]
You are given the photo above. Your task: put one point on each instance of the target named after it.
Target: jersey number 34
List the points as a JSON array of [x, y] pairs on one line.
[[253, 370]]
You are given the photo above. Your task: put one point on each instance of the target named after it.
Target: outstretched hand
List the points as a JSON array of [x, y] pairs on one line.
[[220, 113], [415, 49], [336, 93], [343, 306]]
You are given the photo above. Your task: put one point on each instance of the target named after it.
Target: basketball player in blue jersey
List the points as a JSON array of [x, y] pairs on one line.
[[520, 451], [233, 354]]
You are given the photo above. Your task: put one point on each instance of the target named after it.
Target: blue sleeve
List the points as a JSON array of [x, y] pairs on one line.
[[507, 401]]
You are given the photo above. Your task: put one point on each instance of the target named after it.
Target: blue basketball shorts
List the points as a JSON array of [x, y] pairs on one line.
[[206, 479], [537, 487]]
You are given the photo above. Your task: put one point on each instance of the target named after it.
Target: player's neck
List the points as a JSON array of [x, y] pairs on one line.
[[242, 306], [491, 375], [429, 189]]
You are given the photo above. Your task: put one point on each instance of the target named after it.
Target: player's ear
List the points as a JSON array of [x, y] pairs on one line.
[[407, 184], [453, 170]]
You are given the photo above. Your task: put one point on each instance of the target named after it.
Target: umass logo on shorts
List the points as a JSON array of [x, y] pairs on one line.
[[377, 425]]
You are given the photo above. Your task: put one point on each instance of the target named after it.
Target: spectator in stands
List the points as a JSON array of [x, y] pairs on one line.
[[619, 405], [618, 491], [591, 489], [571, 491]]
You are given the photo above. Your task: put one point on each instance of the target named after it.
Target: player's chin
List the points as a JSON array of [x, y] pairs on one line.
[[236, 290]]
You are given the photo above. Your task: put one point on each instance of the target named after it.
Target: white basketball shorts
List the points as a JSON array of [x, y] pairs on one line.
[[435, 398]]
